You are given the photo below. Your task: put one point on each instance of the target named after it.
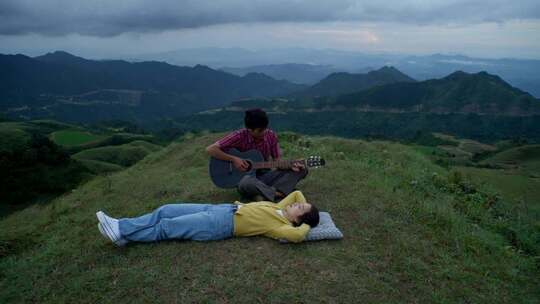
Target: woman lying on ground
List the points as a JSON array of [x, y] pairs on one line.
[[290, 219]]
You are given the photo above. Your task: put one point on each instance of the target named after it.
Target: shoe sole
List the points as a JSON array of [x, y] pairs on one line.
[[102, 231], [121, 242]]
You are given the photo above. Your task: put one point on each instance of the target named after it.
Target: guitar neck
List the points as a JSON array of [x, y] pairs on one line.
[[281, 164]]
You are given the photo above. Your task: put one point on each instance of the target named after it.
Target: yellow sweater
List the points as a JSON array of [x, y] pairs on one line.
[[261, 218]]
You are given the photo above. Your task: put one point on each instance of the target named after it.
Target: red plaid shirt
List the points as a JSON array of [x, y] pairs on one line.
[[243, 141]]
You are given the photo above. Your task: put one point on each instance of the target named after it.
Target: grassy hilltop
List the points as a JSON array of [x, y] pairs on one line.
[[414, 232]]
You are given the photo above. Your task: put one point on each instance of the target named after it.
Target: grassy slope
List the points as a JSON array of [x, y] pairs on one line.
[[404, 239], [13, 137], [520, 182], [513, 185], [74, 137], [518, 154], [122, 155], [527, 158], [100, 167]]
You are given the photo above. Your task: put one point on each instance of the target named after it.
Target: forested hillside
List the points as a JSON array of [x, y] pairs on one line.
[[459, 92], [69, 88]]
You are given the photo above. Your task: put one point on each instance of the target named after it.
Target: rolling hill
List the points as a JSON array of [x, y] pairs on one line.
[[412, 234]]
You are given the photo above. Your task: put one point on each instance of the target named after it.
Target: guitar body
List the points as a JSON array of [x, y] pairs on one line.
[[225, 175]]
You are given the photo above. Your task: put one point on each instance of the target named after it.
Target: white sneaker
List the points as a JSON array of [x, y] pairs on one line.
[[120, 242], [110, 228]]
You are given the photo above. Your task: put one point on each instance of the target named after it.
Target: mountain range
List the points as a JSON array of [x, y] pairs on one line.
[[477, 106], [389, 90], [69, 88], [308, 74], [521, 73], [459, 92], [61, 82]]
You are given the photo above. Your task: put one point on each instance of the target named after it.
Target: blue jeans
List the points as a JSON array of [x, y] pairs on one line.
[[199, 222]]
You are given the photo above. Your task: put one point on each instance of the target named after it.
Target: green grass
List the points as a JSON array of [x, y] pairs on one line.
[[75, 137], [100, 167], [145, 145], [413, 234]]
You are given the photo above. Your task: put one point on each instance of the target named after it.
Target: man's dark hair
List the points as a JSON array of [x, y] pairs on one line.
[[311, 218], [255, 119]]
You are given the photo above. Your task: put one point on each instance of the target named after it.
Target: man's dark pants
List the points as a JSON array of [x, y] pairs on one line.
[[268, 183]]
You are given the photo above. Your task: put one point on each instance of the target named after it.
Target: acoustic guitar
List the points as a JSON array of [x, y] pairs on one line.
[[225, 175]]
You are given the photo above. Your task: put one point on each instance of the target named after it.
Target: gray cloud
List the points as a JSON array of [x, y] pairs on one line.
[[105, 18]]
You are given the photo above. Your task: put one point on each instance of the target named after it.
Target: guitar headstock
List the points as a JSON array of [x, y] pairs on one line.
[[315, 161]]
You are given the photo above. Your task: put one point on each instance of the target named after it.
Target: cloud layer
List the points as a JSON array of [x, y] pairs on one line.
[[105, 18]]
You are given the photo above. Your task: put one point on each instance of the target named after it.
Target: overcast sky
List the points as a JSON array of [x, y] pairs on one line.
[[116, 28]]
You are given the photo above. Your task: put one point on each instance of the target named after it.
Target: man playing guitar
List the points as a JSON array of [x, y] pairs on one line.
[[270, 185]]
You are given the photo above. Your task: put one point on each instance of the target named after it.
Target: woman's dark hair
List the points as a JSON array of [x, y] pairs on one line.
[[255, 119], [311, 218]]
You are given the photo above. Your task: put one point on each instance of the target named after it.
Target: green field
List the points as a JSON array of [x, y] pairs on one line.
[[414, 233], [75, 137]]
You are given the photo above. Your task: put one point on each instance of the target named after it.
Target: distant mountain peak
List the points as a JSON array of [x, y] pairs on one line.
[[390, 71], [60, 57], [60, 54], [483, 75], [480, 77], [260, 76], [64, 53], [345, 83], [456, 75], [388, 68], [202, 67]]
